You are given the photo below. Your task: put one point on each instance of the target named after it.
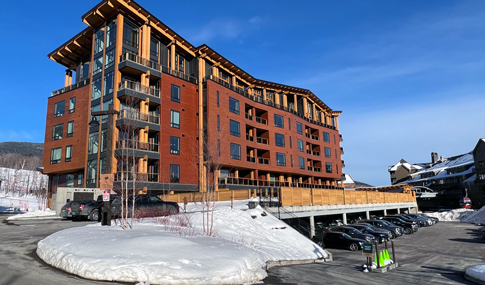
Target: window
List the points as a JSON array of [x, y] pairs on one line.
[[72, 105], [217, 98], [80, 180], [234, 128], [326, 137], [233, 105], [108, 83], [57, 132], [328, 152], [280, 140], [104, 140], [278, 121], [291, 145], [174, 173], [93, 143], [98, 64], [299, 128], [280, 159], [300, 145], [175, 93], [70, 180], [235, 151], [301, 162], [56, 154], [102, 165], [91, 172], [96, 93], [109, 59], [291, 160], [105, 108], [59, 109], [68, 154], [289, 124], [175, 119], [70, 129], [336, 167], [219, 147], [99, 41], [328, 167], [218, 123], [110, 34], [175, 145]]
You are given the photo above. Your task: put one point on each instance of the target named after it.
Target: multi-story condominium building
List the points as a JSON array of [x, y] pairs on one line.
[[178, 112]]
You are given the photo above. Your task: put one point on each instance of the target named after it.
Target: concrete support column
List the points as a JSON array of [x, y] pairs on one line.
[[385, 212], [336, 123], [367, 215], [398, 210], [295, 100], [285, 100], [264, 94], [409, 210], [277, 98], [312, 226], [305, 109], [233, 81], [314, 115], [68, 78], [236, 174], [172, 55], [344, 218]]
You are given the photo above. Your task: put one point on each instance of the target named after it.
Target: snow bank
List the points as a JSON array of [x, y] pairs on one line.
[[10, 204], [152, 252], [36, 214], [475, 217], [457, 215]]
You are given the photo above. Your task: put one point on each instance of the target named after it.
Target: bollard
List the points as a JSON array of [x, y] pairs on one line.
[[377, 255], [393, 253]]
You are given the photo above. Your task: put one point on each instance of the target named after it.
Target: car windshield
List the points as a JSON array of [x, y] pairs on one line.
[[367, 229], [371, 227], [387, 223]]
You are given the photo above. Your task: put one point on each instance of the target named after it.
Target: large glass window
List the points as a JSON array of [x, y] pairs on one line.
[[57, 131], [105, 108], [235, 151], [175, 93], [70, 129], [233, 105], [91, 172], [279, 139], [299, 128], [56, 154], [154, 48], [108, 83], [278, 121], [102, 165], [300, 145], [328, 152], [70, 180], [328, 167], [80, 178], [109, 59], [130, 34], [174, 173], [234, 128], [110, 34], [280, 159], [96, 89], [301, 162], [175, 145], [59, 109], [104, 140], [98, 64], [175, 119], [69, 155], [326, 137], [93, 143], [72, 105], [99, 41]]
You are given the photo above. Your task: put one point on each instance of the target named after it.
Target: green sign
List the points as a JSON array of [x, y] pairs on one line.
[[367, 249]]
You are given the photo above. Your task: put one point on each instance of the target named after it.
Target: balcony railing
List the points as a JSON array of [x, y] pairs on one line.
[[341, 138], [134, 144], [314, 169], [251, 159], [179, 74], [136, 86], [71, 87], [261, 121], [249, 117], [259, 99], [134, 115], [262, 160], [260, 182], [308, 135], [315, 138], [343, 163], [135, 176], [341, 150], [250, 138], [261, 140], [140, 60]]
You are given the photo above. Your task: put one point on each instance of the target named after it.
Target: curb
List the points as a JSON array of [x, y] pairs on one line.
[[36, 218], [274, 263]]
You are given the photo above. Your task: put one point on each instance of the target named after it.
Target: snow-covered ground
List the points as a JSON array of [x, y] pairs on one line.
[[173, 250], [456, 215]]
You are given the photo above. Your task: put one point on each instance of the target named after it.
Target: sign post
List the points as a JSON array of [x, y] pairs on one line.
[[367, 251], [106, 184]]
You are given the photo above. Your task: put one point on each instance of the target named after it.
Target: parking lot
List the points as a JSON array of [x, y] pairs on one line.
[[434, 255]]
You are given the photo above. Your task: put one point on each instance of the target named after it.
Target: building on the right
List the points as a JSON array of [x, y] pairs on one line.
[[453, 178]]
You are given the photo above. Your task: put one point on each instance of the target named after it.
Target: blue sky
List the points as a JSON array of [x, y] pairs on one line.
[[408, 75]]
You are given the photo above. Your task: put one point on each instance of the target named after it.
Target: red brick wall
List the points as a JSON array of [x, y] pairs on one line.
[[226, 138]]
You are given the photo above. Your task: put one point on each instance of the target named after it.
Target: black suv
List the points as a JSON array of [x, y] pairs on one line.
[[380, 235], [146, 205], [341, 240], [409, 227], [353, 233], [396, 231]]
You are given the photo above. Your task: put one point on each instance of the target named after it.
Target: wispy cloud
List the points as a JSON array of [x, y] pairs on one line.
[[20, 136], [225, 28]]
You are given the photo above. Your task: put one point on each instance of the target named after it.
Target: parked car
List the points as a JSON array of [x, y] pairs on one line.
[[66, 211], [354, 233], [396, 231], [422, 217], [89, 209], [482, 232], [146, 205], [342, 240], [380, 235], [407, 218], [409, 227]]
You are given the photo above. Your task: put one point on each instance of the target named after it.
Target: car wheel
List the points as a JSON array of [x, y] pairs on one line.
[[393, 235], [94, 216], [408, 231], [172, 211], [353, 246]]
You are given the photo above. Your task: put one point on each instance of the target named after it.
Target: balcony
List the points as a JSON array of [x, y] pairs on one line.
[[71, 87], [251, 159], [313, 152], [261, 121], [249, 138], [261, 140], [142, 92], [315, 138], [341, 150], [134, 119], [130, 147], [266, 183], [135, 65], [314, 169], [179, 74], [343, 164], [135, 176], [249, 117], [341, 139], [264, 161]]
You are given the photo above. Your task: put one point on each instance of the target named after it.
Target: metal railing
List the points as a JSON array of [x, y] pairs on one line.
[[136, 86], [313, 152], [261, 140], [275, 183], [261, 121], [140, 60], [135, 176], [314, 169], [262, 160], [315, 138], [249, 117], [134, 115], [251, 159], [135, 144], [179, 74], [71, 87], [250, 138]]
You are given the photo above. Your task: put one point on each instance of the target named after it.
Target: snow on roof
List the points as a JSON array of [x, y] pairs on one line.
[[348, 179], [440, 168]]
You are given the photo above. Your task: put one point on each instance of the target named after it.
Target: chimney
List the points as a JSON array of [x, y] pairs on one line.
[[434, 157]]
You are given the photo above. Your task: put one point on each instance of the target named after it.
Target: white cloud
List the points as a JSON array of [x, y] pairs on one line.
[[225, 28], [20, 136]]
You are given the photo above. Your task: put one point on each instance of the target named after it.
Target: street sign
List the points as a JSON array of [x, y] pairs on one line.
[[367, 249], [106, 196]]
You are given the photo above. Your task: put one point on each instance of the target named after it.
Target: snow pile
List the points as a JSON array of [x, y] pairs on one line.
[[153, 252], [456, 215], [477, 272], [10, 204], [476, 217], [36, 214]]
